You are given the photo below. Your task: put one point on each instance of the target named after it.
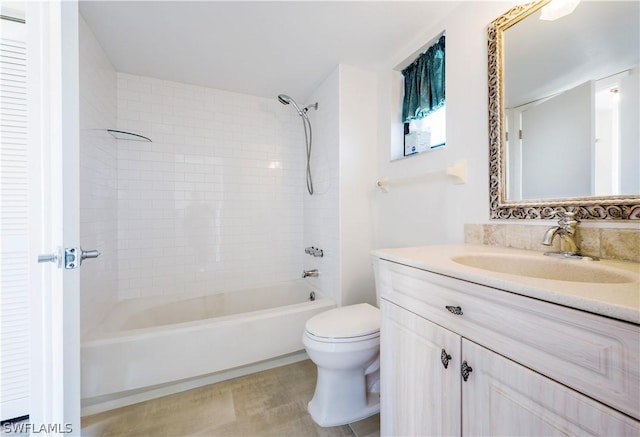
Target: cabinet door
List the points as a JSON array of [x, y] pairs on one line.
[[502, 397], [418, 395]]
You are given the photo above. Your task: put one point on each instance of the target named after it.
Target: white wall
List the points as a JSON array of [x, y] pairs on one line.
[[630, 133], [358, 110], [214, 203], [436, 211], [98, 172], [603, 153]]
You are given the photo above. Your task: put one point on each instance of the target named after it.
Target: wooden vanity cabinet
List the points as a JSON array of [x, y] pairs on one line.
[[520, 362], [419, 396]]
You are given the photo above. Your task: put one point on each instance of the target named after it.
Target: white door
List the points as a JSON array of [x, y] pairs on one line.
[[14, 241], [556, 132], [53, 152], [419, 395]]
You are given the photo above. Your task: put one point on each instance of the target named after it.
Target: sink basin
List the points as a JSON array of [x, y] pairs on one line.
[[546, 268]]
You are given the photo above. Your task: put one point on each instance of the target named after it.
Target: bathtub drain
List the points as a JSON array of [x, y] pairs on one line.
[[312, 296]]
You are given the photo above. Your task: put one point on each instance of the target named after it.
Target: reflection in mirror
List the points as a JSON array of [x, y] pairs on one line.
[[564, 99], [571, 102]]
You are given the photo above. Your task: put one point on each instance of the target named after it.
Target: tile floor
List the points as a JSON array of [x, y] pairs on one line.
[[269, 403]]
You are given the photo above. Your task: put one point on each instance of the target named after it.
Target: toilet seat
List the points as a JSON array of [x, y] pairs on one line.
[[352, 323], [360, 338]]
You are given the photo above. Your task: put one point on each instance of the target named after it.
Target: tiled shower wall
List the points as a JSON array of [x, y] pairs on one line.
[[321, 211], [98, 179], [215, 202]]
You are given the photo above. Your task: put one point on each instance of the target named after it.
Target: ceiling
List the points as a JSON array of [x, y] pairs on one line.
[[260, 48]]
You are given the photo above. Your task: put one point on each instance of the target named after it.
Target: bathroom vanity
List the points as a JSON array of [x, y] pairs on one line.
[[482, 340]]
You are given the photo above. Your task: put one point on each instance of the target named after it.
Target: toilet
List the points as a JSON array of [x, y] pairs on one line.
[[344, 343]]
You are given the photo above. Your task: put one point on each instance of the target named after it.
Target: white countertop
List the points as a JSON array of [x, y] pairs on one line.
[[617, 300]]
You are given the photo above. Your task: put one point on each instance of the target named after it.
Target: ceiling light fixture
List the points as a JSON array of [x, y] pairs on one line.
[[615, 94], [558, 9]]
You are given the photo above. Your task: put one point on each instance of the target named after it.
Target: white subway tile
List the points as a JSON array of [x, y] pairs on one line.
[[204, 198]]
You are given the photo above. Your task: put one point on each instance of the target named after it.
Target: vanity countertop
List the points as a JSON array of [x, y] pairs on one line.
[[616, 300]]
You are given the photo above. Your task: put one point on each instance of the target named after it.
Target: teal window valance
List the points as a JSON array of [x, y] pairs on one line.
[[424, 83]]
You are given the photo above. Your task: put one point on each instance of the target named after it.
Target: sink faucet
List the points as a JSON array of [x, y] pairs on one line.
[[567, 233], [310, 273]]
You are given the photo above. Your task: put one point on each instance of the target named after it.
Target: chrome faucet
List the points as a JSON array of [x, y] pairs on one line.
[[566, 231], [310, 273]]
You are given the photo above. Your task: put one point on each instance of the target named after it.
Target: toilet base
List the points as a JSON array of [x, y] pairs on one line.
[[372, 407], [347, 402]]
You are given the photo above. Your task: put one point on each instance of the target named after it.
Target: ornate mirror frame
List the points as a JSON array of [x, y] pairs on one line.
[[596, 208]]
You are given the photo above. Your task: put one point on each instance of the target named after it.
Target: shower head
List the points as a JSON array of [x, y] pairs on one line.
[[285, 100]]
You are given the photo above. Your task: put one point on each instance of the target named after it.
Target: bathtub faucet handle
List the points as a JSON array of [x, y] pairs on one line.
[[310, 273], [311, 250]]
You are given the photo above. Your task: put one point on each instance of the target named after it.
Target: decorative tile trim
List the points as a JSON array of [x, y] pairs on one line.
[[606, 243]]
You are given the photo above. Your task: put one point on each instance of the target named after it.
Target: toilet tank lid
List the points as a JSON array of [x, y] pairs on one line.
[[345, 322]]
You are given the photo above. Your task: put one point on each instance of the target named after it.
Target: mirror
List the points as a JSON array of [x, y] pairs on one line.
[[563, 112]]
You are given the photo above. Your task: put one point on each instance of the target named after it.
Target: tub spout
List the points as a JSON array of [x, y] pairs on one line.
[[310, 273]]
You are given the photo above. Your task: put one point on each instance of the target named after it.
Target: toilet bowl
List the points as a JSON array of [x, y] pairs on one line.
[[344, 343]]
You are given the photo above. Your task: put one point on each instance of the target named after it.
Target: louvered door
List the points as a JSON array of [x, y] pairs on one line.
[[14, 244]]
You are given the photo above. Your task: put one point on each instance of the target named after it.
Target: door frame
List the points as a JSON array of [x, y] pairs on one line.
[[52, 66]]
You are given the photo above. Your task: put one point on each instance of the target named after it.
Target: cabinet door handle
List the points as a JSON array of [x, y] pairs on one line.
[[455, 310], [465, 370], [444, 357]]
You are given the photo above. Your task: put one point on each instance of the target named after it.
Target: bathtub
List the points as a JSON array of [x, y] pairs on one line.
[[152, 341]]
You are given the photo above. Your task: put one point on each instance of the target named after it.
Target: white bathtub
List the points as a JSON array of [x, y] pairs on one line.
[[151, 341]]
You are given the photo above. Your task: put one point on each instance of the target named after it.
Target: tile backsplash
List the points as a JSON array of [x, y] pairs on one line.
[[607, 243]]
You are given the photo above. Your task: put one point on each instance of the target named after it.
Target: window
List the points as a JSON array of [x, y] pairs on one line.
[[423, 105]]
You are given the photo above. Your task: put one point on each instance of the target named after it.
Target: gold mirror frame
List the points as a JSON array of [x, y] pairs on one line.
[[595, 208]]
